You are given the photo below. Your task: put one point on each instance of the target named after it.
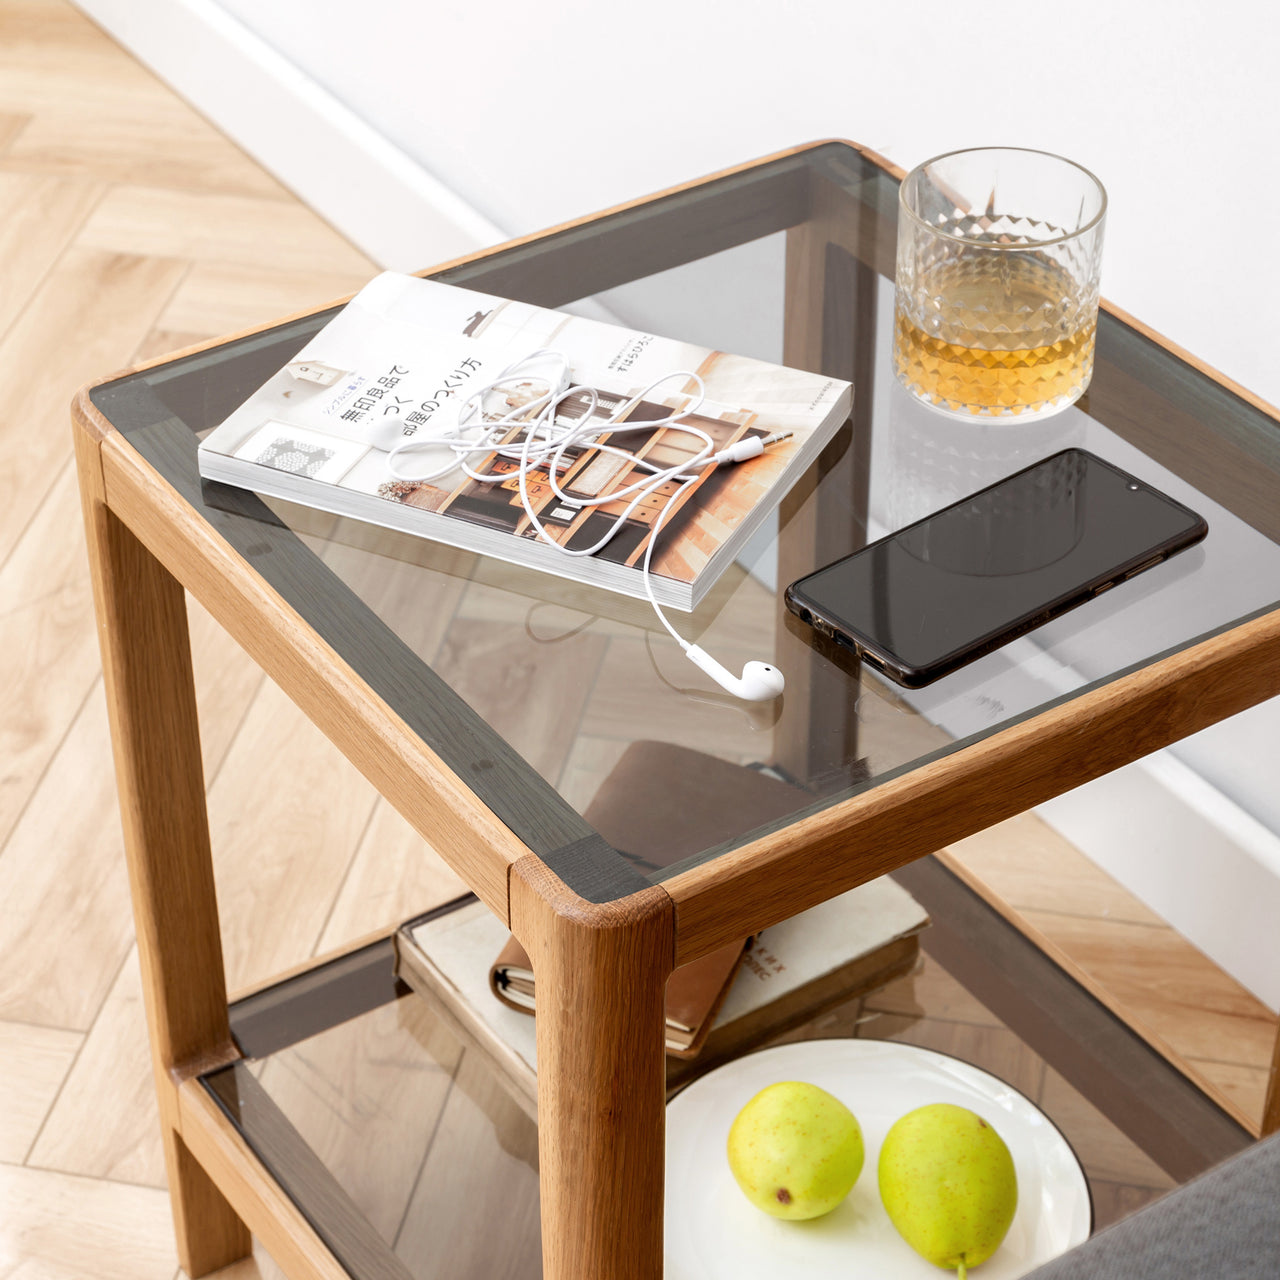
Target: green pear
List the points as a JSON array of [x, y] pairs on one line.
[[795, 1150], [948, 1184]]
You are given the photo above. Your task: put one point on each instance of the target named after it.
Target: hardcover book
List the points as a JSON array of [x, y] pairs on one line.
[[410, 351], [790, 973], [695, 991]]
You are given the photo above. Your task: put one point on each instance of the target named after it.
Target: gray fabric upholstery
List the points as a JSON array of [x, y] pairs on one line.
[[1225, 1225]]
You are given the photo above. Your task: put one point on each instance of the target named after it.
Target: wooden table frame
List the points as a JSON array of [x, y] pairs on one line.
[[601, 1062]]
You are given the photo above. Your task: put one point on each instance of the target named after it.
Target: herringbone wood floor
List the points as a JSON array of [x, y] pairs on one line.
[[128, 227]]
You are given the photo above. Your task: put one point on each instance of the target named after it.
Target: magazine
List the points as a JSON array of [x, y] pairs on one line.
[[410, 351]]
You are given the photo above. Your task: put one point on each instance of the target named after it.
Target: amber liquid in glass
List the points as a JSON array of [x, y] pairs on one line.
[[995, 336]]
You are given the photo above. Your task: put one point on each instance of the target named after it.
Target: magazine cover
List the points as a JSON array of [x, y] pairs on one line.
[[408, 352]]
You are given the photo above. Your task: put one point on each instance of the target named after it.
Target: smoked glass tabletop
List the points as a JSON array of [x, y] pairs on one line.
[[568, 710]]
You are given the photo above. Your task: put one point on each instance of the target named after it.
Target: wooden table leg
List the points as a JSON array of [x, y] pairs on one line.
[[601, 973], [146, 659]]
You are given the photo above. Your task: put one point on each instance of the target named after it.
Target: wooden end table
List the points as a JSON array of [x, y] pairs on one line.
[[887, 779]]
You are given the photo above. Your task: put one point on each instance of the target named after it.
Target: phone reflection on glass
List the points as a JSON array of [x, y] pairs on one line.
[[960, 583]]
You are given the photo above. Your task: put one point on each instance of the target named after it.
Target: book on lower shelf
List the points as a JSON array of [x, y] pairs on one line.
[[695, 991], [791, 972], [409, 351]]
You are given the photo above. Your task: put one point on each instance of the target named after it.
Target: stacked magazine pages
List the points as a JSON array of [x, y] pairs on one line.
[[409, 351]]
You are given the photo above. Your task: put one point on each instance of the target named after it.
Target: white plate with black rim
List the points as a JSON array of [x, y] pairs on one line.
[[714, 1233]]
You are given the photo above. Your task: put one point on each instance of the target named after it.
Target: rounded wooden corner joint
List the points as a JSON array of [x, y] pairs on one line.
[[542, 907], [86, 418]]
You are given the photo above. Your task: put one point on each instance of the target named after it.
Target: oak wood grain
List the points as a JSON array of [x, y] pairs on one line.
[[146, 660], [258, 1199], [601, 974], [399, 764], [951, 797]]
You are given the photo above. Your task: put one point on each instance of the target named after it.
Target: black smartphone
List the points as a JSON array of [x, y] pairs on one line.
[[960, 583]]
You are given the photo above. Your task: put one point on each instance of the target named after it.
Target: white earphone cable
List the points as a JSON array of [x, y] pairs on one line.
[[543, 442]]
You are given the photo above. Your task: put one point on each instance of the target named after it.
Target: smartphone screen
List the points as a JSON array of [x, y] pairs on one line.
[[961, 582]]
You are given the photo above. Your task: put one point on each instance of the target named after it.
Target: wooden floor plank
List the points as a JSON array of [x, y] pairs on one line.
[[226, 297], [633, 690], [98, 112], [933, 990], [474, 1213], [212, 226], [86, 319], [1161, 980], [227, 681], [1036, 869], [105, 1123], [366, 1097], [128, 225], [993, 1049], [65, 918], [287, 812], [537, 716], [258, 1267], [394, 876], [50, 645], [590, 762], [39, 216], [1104, 1151], [34, 1061], [1243, 1085], [163, 342], [65, 1227], [136, 141], [12, 124]]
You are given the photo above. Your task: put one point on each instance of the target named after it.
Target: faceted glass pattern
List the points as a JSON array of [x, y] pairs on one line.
[[996, 311]]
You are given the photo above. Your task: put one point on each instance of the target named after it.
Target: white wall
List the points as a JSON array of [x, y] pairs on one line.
[[469, 122], [535, 113]]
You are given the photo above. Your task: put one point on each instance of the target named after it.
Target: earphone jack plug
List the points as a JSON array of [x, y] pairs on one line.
[[750, 447]]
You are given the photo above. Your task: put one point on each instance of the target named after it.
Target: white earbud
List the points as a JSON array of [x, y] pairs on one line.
[[759, 681], [386, 432]]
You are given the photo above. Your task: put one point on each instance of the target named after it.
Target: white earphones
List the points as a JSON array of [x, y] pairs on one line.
[[385, 433], [544, 443], [758, 683]]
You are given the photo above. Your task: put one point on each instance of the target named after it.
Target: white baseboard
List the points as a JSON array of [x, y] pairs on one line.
[[397, 213]]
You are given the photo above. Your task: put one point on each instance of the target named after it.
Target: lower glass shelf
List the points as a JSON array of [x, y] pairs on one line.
[[405, 1151]]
